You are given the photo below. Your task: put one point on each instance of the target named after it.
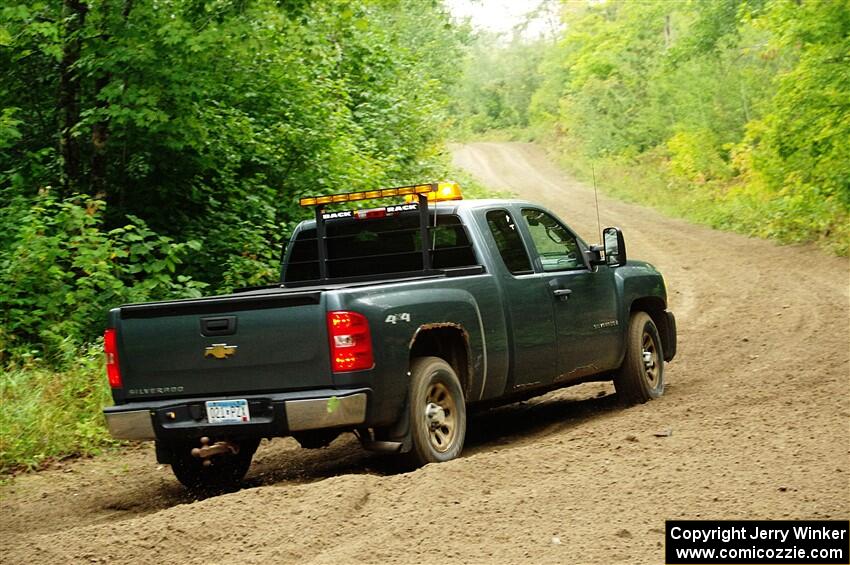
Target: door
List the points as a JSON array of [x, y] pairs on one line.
[[583, 299], [527, 302]]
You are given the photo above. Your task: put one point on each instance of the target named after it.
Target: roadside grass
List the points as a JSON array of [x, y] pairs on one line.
[[733, 205], [49, 415]]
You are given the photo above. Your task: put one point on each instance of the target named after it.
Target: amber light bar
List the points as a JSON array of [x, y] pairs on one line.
[[435, 191], [368, 194], [445, 191]]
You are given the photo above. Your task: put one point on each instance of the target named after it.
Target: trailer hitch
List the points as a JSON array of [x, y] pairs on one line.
[[206, 450]]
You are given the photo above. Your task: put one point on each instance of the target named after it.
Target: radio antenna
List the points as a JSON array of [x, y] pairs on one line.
[[596, 197]]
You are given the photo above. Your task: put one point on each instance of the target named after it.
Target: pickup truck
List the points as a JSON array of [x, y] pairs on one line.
[[392, 323]]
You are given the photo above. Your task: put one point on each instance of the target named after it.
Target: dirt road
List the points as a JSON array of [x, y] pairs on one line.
[[758, 406]]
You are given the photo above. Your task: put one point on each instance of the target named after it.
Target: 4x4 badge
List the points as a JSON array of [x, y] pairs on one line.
[[220, 350]]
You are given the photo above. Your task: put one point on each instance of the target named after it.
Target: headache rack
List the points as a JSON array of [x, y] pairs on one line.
[[416, 197]]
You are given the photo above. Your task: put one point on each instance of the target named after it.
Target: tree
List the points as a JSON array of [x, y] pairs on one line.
[[205, 121]]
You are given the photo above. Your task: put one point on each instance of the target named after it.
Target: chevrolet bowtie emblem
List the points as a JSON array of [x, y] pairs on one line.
[[220, 350]]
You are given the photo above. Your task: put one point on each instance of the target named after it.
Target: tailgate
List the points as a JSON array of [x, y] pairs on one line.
[[224, 345]]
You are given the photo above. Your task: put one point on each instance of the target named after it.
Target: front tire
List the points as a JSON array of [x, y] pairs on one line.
[[641, 376], [437, 412]]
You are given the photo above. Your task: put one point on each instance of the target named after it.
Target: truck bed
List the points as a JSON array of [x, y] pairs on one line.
[[279, 335]]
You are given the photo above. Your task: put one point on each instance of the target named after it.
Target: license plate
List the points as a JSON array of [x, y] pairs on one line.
[[227, 411]]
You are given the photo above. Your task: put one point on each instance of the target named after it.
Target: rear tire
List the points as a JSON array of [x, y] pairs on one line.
[[437, 412], [224, 473], [641, 376]]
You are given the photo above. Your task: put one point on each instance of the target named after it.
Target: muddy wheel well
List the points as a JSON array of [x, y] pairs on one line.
[[448, 343], [655, 307]]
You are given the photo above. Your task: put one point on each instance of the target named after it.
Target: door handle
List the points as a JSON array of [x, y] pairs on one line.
[[562, 293], [225, 325]]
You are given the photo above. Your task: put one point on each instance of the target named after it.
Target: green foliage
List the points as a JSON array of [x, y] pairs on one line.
[[9, 128], [499, 81], [50, 415], [695, 156], [156, 149], [800, 144], [62, 273], [731, 112], [183, 134]]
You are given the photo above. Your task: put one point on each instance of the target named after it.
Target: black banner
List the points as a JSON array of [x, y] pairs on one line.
[[761, 542]]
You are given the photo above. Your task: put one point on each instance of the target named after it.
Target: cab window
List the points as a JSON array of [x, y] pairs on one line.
[[509, 242], [558, 248]]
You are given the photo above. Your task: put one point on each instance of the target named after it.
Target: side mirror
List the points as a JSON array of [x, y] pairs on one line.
[[615, 247]]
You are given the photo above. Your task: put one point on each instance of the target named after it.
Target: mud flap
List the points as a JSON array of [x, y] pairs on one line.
[[400, 431], [668, 336], [392, 439]]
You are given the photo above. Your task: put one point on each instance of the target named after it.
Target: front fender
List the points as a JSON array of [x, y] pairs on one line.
[[642, 288], [636, 280]]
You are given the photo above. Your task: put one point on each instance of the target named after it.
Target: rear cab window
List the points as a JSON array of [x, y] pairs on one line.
[[379, 246]]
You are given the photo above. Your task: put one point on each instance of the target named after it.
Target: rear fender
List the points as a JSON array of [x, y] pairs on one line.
[[449, 341], [396, 321]]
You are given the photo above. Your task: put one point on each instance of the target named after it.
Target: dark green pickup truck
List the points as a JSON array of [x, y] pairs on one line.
[[390, 322]]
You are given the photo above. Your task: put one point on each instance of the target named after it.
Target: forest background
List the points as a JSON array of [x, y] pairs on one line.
[[156, 149]]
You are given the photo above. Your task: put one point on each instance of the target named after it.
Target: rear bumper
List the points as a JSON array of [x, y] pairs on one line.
[[272, 415], [133, 424]]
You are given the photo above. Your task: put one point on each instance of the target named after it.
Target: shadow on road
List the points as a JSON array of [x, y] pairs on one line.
[[523, 422], [280, 461], [499, 428]]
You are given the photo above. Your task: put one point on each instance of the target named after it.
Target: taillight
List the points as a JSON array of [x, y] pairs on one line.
[[350, 341], [110, 346]]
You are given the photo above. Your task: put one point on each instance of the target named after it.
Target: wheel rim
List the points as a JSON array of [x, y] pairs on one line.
[[440, 417], [649, 355]]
